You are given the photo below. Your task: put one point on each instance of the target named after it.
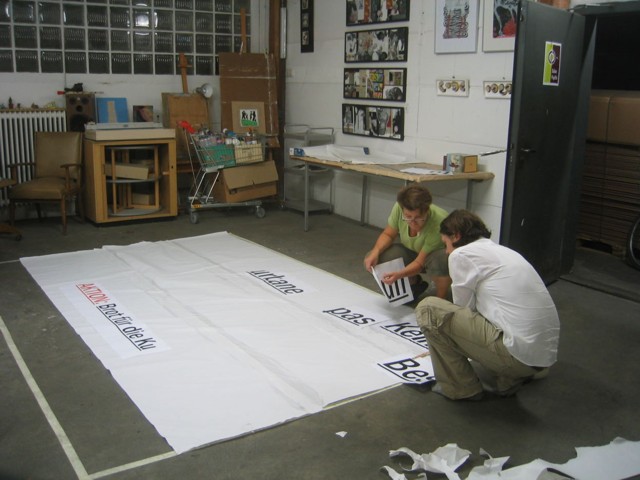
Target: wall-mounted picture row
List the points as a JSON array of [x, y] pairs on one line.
[[376, 83], [373, 121], [376, 11], [382, 45]]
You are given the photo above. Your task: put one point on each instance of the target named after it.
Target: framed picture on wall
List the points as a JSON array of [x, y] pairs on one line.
[[456, 26], [381, 45], [361, 12], [375, 83], [306, 26], [248, 116], [373, 121], [500, 23]]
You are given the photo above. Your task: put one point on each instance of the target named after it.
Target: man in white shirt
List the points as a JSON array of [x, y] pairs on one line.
[[502, 315]]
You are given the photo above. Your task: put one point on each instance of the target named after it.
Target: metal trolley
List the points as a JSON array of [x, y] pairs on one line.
[[213, 158]]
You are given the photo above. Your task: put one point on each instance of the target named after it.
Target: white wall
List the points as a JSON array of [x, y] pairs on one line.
[[434, 125]]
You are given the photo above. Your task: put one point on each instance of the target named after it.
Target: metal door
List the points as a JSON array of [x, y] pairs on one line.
[[549, 106]]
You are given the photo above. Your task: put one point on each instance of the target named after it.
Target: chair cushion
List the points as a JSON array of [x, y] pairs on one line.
[[46, 188], [53, 149]]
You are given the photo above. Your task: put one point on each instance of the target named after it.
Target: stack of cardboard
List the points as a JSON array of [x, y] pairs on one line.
[[610, 198]]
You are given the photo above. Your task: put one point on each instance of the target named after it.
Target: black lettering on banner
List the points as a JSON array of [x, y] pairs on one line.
[[408, 370], [407, 331], [124, 324], [350, 316], [276, 282], [395, 292]]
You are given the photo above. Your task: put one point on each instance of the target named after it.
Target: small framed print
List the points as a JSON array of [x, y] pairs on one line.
[[143, 113], [360, 12], [381, 45], [497, 89], [373, 121], [456, 26], [499, 25], [375, 83], [306, 26], [248, 116]]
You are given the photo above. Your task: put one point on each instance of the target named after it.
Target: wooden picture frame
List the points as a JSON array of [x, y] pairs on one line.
[[388, 84], [306, 26], [248, 116], [374, 121], [376, 46], [456, 29], [364, 12], [500, 23]]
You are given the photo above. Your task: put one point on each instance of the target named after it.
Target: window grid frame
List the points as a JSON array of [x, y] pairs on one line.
[[81, 42]]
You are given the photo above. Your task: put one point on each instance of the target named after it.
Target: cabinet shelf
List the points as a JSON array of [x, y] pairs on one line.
[[113, 198], [155, 178]]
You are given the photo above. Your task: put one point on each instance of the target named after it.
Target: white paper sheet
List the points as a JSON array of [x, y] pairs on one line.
[[425, 171], [399, 292], [349, 154], [247, 338]]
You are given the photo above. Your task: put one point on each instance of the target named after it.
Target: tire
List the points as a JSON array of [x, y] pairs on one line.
[[260, 212], [633, 245], [194, 218]]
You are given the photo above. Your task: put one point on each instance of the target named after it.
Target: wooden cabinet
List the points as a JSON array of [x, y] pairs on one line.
[[130, 179]]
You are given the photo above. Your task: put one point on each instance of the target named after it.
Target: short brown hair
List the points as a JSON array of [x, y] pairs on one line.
[[415, 197], [468, 225]]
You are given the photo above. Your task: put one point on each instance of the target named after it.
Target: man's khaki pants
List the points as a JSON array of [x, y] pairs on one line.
[[455, 335]]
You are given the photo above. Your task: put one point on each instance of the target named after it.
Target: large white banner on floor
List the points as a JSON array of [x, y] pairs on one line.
[[213, 337]]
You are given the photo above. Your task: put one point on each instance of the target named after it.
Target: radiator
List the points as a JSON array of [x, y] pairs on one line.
[[16, 138]]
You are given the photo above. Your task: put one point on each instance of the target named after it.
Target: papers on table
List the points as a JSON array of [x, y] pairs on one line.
[[425, 171], [359, 155]]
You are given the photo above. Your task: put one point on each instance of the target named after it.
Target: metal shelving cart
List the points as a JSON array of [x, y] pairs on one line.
[[212, 158], [302, 135]]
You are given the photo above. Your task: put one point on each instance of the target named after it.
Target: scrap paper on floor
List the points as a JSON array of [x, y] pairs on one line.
[[399, 292]]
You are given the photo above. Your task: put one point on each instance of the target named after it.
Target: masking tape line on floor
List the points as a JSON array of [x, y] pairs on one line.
[[77, 465], [75, 461]]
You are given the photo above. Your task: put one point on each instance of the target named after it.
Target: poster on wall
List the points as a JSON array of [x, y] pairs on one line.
[[306, 26], [248, 117], [456, 26], [376, 11], [375, 83], [499, 25], [373, 121], [381, 45]]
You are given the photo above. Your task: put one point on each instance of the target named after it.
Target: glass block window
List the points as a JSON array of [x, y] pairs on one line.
[[142, 37]]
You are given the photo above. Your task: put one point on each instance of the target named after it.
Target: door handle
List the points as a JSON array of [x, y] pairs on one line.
[[527, 150]]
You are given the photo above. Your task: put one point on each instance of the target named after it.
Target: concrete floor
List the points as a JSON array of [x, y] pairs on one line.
[[588, 399]]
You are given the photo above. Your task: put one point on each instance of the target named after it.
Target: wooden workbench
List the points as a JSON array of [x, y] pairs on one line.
[[387, 171]]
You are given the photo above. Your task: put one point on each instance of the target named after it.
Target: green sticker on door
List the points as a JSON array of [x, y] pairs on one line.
[[552, 64]]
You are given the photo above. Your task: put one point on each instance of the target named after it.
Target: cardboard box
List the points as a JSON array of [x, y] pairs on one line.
[[624, 119], [127, 170], [188, 107], [460, 163], [143, 198], [248, 182], [249, 79], [248, 153], [598, 116]]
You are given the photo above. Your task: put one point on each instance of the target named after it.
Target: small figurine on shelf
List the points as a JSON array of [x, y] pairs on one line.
[[10, 103]]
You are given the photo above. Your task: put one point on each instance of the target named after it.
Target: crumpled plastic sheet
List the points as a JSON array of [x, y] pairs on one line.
[[618, 460], [445, 459]]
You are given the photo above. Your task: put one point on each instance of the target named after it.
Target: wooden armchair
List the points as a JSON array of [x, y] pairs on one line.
[[57, 174]]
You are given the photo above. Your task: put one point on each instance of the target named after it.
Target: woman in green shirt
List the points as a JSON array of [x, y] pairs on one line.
[[415, 221]]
